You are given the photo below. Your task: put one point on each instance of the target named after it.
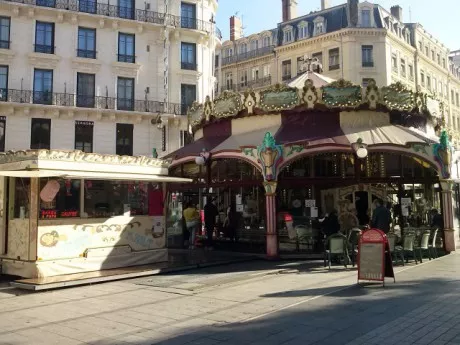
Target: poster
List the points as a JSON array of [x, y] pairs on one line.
[[310, 203]]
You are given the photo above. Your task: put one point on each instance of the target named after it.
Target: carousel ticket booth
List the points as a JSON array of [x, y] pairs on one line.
[[296, 154], [67, 212]]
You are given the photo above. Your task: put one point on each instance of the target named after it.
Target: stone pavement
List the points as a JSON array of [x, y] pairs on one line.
[[247, 303]]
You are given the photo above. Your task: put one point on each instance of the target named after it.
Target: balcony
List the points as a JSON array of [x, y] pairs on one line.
[[88, 101], [368, 63], [147, 16], [87, 54], [43, 48], [250, 84], [334, 67], [126, 58], [190, 66], [218, 34], [248, 55]]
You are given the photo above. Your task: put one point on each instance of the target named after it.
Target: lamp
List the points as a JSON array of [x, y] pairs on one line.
[[360, 149], [202, 158]]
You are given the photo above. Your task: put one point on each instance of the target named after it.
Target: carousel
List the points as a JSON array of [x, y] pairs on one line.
[[283, 157]]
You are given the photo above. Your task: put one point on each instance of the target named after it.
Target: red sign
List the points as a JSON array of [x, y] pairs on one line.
[[68, 214], [48, 214], [374, 257]]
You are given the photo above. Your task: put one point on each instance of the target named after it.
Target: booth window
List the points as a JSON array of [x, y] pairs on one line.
[[2, 133], [59, 198], [125, 139], [104, 199], [21, 197], [40, 134]]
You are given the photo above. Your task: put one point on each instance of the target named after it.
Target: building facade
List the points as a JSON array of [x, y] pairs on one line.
[[355, 41], [111, 79]]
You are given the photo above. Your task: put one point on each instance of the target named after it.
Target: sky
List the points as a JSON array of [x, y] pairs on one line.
[[260, 15]]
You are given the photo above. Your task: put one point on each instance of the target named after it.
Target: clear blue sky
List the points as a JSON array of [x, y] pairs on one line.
[[441, 18]]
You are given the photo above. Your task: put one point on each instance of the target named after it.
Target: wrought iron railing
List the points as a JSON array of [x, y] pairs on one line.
[[218, 33], [88, 101], [189, 66], [93, 7], [248, 55], [126, 58], [85, 53], [43, 48]]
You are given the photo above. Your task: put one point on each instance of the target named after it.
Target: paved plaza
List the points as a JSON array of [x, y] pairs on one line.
[[246, 303]]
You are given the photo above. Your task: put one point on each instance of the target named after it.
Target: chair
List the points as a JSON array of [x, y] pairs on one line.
[[408, 246], [338, 246], [432, 245], [423, 246], [393, 251]]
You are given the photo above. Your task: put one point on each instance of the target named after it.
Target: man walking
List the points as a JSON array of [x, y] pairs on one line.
[[210, 214], [381, 219]]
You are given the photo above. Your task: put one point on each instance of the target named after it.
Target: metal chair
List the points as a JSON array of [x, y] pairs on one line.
[[393, 251], [338, 246], [423, 246], [407, 246], [432, 245]]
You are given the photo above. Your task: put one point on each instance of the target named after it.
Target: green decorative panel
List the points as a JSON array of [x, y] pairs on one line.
[[195, 114], [227, 105], [397, 97], [278, 97], [349, 96]]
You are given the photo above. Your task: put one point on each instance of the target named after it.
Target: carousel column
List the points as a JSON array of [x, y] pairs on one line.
[[271, 232], [447, 214]]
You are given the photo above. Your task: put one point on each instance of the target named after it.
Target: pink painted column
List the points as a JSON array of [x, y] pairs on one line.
[[447, 215], [271, 232]]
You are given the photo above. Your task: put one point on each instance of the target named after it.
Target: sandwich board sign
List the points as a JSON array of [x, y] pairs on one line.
[[374, 257]]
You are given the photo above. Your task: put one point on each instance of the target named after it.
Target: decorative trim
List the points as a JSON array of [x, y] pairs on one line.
[[6, 56], [86, 65], [124, 69], [40, 60]]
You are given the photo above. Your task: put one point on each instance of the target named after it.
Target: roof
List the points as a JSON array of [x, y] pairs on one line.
[[317, 79]]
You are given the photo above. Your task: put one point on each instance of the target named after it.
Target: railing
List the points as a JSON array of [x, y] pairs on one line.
[[248, 55], [4, 44], [260, 82], [368, 63], [286, 77], [88, 54], [147, 16], [188, 66], [43, 48], [88, 101], [126, 58], [334, 67]]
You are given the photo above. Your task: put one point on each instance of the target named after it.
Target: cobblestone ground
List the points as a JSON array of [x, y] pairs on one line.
[[247, 303]]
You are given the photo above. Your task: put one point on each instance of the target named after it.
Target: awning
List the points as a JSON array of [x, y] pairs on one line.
[[93, 175], [196, 147], [317, 79]]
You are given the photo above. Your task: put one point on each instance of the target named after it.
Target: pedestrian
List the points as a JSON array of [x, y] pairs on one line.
[[230, 224], [331, 224], [210, 214], [191, 217], [381, 218], [436, 220]]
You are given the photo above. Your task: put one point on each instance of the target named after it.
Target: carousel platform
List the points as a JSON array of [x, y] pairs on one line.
[[179, 260]]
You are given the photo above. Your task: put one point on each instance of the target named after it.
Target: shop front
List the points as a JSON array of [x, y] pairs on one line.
[[312, 151], [72, 212]]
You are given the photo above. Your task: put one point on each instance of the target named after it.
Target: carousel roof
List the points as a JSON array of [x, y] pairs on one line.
[[317, 79]]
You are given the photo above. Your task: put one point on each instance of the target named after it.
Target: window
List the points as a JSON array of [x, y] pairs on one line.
[[3, 83], [185, 138], [188, 96], [411, 72], [244, 78], [126, 48], [367, 56], [428, 82], [126, 9], [84, 136], [365, 82], [422, 78], [318, 56], [21, 197], [5, 23], [334, 59], [394, 63], [435, 85], [86, 43], [87, 6], [65, 202], [116, 198], [366, 18], [125, 93], [188, 15], [319, 28], [255, 73], [286, 69], [243, 48], [440, 89], [456, 99], [188, 56], [438, 57], [2, 133], [287, 36], [43, 86], [427, 51], [303, 31], [44, 38], [46, 3], [40, 137], [266, 71], [420, 46], [86, 90], [443, 62], [432, 55], [266, 41], [403, 68], [216, 61], [124, 139], [452, 100], [229, 52], [254, 45], [300, 65]]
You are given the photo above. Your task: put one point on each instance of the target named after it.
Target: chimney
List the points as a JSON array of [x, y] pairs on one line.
[[396, 11], [236, 28], [352, 6], [324, 4], [289, 9]]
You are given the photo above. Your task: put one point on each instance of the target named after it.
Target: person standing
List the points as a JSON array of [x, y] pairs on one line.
[[381, 219], [191, 217], [210, 214]]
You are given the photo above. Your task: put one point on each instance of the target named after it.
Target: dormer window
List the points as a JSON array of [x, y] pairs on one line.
[[287, 38], [266, 41], [319, 26], [254, 45], [243, 48], [366, 18], [303, 30]]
